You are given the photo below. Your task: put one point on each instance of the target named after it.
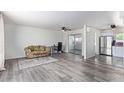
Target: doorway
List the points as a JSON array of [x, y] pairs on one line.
[[105, 45], [75, 44]]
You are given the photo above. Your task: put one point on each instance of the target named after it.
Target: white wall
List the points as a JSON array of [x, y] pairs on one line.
[[97, 35], [1, 43], [17, 37], [65, 41], [107, 33], [91, 41]]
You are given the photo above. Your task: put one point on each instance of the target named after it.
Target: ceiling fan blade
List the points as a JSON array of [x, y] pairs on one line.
[[65, 29], [69, 29]]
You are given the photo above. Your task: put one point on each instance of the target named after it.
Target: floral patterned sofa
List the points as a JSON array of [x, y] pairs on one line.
[[36, 51]]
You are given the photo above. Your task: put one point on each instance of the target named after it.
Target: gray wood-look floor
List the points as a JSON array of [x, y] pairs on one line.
[[69, 68]]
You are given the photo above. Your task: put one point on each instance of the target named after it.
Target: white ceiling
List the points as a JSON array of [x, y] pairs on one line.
[[54, 20]]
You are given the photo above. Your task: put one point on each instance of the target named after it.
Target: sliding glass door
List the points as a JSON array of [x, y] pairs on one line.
[[75, 44]]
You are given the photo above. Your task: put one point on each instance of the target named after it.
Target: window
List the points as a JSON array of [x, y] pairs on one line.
[[120, 36]]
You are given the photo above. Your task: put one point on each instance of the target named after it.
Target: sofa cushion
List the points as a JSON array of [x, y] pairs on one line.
[[42, 48], [36, 48], [31, 48]]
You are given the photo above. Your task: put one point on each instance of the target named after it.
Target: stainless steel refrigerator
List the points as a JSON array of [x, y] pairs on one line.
[[105, 45]]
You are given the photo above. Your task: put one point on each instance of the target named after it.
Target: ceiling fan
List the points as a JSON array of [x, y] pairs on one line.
[[65, 29], [116, 26], [112, 27]]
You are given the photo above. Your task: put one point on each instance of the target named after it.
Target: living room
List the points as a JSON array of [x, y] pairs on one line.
[[35, 48], [63, 46]]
